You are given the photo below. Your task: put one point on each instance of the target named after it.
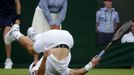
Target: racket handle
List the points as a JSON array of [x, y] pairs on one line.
[[102, 52]]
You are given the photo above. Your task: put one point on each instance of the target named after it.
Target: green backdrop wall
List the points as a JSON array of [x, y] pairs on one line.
[[80, 21]]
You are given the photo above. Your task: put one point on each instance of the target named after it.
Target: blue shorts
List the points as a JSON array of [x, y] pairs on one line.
[[8, 20]]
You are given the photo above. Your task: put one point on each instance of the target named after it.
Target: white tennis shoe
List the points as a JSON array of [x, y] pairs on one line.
[[9, 38], [31, 33], [8, 64]]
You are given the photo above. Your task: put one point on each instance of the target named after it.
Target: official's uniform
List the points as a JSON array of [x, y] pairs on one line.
[[106, 19], [49, 12]]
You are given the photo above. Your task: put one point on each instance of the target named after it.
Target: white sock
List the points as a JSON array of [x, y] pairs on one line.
[[17, 34], [8, 59]]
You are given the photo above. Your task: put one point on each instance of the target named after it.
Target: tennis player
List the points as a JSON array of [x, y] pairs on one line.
[[58, 43]]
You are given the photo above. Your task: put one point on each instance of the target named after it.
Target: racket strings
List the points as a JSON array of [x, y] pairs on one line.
[[122, 30]]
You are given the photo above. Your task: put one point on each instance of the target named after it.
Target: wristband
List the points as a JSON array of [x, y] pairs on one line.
[[88, 66]]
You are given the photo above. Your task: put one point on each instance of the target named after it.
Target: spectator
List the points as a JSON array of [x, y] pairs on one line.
[[129, 37], [9, 14], [106, 22]]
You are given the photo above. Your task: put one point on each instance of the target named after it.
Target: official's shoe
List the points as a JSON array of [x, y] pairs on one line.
[[8, 64]]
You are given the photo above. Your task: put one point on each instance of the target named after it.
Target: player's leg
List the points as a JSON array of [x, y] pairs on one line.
[[27, 43], [8, 61], [14, 33], [31, 33]]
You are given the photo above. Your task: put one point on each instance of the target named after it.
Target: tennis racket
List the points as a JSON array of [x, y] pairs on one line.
[[116, 36]]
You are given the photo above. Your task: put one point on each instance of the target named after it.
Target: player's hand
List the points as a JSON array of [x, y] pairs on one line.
[[55, 26], [95, 60], [46, 54]]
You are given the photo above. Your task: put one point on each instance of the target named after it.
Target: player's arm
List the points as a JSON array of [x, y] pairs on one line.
[[85, 69], [41, 70], [81, 71], [18, 11]]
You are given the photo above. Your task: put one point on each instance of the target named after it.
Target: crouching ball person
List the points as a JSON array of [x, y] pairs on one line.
[[56, 45]]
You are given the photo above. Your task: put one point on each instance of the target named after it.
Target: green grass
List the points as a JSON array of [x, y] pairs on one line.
[[14, 72], [111, 72], [92, 72]]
